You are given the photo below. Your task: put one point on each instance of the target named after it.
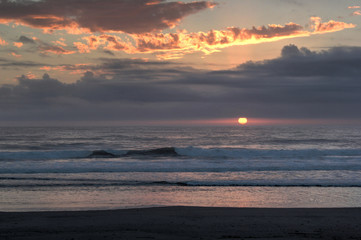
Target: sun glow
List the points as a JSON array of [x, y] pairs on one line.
[[242, 121]]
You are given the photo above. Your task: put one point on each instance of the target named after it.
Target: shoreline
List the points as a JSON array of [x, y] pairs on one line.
[[184, 223]]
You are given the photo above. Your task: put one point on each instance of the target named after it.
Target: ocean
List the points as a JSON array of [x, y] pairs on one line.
[[56, 168]]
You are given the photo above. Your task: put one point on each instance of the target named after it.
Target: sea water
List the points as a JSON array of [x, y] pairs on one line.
[[53, 168]]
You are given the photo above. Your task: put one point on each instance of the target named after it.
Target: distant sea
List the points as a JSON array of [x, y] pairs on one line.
[[54, 168]]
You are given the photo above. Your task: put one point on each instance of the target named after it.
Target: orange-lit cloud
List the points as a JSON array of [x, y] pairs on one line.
[[357, 13], [3, 42], [212, 41], [353, 7], [30, 75], [60, 42], [93, 42], [15, 55], [99, 15], [330, 26], [175, 45], [72, 69], [18, 44], [108, 42], [48, 23], [45, 49], [46, 68], [82, 48], [116, 44], [135, 27]]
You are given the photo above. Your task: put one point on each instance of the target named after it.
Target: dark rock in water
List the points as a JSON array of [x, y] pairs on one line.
[[158, 151], [102, 154]]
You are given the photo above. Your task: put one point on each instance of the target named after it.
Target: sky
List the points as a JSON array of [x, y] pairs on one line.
[[144, 62]]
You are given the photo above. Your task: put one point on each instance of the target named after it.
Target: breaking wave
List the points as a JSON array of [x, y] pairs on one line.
[[193, 152]]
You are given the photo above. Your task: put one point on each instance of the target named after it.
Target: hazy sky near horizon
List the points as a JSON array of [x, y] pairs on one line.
[[164, 60]]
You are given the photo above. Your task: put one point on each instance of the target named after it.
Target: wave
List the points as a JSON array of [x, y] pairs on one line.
[[82, 154], [192, 152], [149, 152]]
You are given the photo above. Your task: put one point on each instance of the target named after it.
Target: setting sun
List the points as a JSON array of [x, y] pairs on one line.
[[242, 121]]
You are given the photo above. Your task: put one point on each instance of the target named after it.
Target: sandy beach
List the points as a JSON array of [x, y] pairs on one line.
[[184, 223]]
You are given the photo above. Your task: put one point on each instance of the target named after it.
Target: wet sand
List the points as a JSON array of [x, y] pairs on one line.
[[184, 223]]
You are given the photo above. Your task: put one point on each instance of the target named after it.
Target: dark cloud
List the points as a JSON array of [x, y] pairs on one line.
[[10, 63], [299, 84], [295, 62], [131, 69], [26, 40], [109, 52], [131, 16], [92, 89]]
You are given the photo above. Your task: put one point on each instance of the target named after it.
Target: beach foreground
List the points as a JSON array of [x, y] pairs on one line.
[[184, 223]]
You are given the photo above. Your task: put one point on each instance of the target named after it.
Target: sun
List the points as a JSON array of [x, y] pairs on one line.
[[242, 121]]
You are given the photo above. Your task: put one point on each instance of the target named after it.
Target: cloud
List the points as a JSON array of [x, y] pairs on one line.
[[60, 42], [331, 26], [43, 47], [357, 13], [10, 63], [26, 40], [142, 22], [175, 45], [18, 44], [15, 55], [299, 84], [214, 40], [109, 52], [82, 48], [77, 16], [46, 48], [128, 69], [50, 99], [3, 42], [354, 7], [183, 42], [302, 62]]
